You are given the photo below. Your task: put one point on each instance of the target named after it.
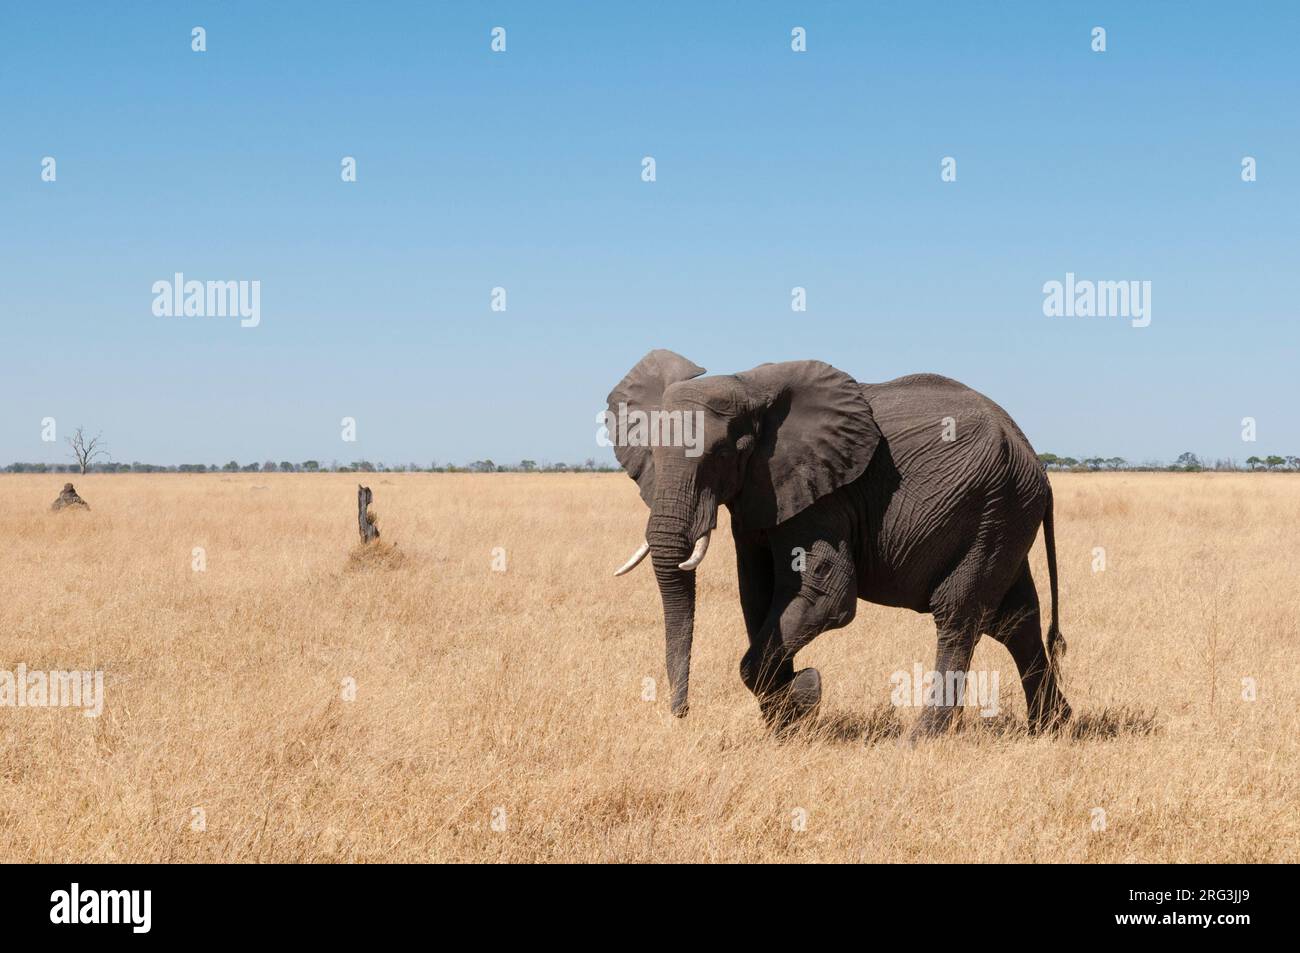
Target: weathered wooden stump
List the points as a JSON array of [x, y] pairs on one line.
[[365, 519], [68, 497]]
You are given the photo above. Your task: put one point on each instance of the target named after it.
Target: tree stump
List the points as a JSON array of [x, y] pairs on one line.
[[365, 519], [68, 497]]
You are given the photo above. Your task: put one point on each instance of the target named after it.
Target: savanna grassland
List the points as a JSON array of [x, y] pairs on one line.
[[226, 735]]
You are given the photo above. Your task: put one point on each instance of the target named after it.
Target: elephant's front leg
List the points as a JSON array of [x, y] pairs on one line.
[[815, 590], [756, 576], [763, 668]]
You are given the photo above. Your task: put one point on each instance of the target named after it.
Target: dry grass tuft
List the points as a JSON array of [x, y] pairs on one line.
[[1112, 723], [881, 723], [313, 702]]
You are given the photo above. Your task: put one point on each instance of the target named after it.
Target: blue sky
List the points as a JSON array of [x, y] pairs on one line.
[[522, 169]]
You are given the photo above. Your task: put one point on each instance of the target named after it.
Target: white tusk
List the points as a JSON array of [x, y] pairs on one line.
[[697, 557], [636, 558]]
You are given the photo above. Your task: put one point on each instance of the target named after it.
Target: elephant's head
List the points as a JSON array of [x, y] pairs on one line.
[[768, 443]]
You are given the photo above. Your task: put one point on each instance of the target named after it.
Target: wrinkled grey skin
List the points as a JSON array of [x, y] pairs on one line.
[[859, 477]]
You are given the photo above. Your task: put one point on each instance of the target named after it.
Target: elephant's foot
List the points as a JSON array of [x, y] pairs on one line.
[[794, 703], [1050, 713], [934, 720]]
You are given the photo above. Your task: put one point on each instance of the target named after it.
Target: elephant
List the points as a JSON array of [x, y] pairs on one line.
[[918, 493]]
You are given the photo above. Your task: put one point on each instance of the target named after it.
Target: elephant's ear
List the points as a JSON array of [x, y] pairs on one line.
[[814, 433], [643, 390]]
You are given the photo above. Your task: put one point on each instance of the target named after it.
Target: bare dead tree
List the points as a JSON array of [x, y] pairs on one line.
[[86, 450]]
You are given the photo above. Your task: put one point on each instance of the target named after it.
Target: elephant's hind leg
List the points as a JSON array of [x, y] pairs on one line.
[[1019, 628], [967, 600], [957, 639]]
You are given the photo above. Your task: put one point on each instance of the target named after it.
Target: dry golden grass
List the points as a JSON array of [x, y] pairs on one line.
[[521, 690]]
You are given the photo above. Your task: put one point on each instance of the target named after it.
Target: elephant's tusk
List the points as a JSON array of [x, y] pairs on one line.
[[636, 558], [697, 557]]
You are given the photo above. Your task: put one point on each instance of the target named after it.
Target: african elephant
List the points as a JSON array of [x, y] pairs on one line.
[[918, 493]]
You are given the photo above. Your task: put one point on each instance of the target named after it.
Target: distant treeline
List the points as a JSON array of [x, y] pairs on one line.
[[1186, 463]]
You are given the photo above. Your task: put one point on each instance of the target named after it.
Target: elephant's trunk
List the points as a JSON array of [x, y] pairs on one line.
[[677, 588], [681, 514]]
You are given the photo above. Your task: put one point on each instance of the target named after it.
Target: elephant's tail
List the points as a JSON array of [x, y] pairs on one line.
[[1055, 641]]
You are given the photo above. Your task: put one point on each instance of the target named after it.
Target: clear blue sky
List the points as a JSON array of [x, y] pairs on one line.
[[522, 170]]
